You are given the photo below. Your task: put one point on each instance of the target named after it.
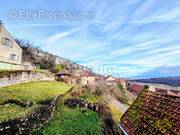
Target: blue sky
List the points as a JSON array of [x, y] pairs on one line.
[[126, 38]]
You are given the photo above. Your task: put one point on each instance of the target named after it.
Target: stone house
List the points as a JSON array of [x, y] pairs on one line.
[[152, 113], [110, 80], [121, 81], [88, 80], [63, 77], [10, 51]]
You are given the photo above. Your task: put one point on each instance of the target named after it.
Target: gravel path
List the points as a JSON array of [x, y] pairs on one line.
[[122, 107]]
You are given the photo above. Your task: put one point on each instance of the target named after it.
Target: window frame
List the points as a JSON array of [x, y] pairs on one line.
[[12, 57], [6, 42]]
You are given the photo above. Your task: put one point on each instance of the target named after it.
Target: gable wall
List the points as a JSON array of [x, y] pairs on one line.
[[110, 79], [6, 51]]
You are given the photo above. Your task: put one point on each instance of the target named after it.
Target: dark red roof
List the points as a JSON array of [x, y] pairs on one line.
[[175, 91], [136, 88], [153, 114], [163, 91]]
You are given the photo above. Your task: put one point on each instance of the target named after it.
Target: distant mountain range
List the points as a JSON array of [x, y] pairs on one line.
[[168, 75], [172, 81], [161, 72]]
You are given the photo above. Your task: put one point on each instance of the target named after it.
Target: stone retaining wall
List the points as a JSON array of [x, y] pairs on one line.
[[34, 120], [23, 76], [108, 124]]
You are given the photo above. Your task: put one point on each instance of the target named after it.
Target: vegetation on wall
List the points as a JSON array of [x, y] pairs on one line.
[[59, 68], [150, 113], [36, 56], [73, 121]]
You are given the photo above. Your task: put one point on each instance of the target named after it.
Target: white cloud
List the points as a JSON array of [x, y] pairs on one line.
[[159, 59], [170, 15], [58, 36], [144, 9], [121, 33]]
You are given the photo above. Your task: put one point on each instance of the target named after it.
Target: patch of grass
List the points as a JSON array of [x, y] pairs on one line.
[[116, 113], [91, 97], [73, 121], [12, 111], [34, 92]]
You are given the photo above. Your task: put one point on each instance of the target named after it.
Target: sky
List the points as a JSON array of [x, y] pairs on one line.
[[125, 38]]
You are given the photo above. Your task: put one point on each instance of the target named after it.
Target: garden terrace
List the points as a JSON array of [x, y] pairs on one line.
[[82, 112], [153, 113], [17, 100]]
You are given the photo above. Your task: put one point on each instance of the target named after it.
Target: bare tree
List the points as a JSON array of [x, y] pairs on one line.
[[1, 22], [36, 56]]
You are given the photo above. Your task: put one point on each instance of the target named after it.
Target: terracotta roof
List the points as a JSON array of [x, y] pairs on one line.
[[153, 114], [120, 80], [110, 76], [175, 91], [136, 88]]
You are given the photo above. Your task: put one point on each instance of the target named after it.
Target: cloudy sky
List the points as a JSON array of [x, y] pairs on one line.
[[126, 38]]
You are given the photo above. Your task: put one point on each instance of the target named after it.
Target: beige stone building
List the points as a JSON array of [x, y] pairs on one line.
[[110, 80], [88, 80], [10, 51]]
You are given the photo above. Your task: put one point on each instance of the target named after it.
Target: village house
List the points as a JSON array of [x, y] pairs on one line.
[[100, 79], [121, 82], [153, 112], [63, 77], [87, 78], [110, 80], [164, 89], [160, 88], [135, 88], [91, 80], [10, 51], [78, 77], [68, 77]]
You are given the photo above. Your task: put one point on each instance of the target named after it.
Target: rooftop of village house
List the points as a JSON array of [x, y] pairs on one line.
[[153, 112]]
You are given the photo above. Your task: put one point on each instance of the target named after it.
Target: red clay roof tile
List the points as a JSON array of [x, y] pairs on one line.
[[153, 113]]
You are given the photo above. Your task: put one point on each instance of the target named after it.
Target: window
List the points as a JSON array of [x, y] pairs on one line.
[[6, 42], [13, 57]]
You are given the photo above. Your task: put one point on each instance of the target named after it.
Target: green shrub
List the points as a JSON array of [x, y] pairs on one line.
[[120, 86], [58, 68]]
